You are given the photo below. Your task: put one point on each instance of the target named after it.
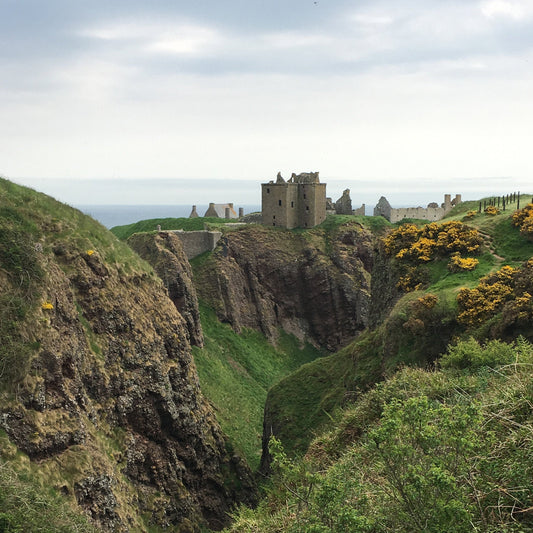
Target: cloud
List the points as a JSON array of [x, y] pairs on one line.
[[503, 8], [176, 37]]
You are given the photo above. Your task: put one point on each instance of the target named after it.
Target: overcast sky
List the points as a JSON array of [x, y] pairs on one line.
[[394, 94]]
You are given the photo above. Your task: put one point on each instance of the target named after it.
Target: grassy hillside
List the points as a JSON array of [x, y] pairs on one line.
[[35, 496], [425, 451], [417, 330], [236, 371], [31, 224]]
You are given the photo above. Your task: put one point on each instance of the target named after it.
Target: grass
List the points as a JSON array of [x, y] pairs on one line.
[[49, 221], [236, 371], [32, 227], [441, 278], [187, 224], [332, 222], [510, 244], [307, 399]]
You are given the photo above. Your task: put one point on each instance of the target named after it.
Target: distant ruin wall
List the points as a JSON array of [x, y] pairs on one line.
[[198, 242], [360, 211], [422, 213], [432, 212]]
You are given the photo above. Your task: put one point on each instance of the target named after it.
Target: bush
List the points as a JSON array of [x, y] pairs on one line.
[[470, 354], [523, 219], [507, 291], [414, 247], [432, 240], [458, 263]]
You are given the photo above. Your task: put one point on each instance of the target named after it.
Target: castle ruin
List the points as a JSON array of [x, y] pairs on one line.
[[226, 211], [299, 202], [432, 212]]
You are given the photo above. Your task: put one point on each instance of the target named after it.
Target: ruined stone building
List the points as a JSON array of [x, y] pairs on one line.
[[432, 212], [218, 211], [343, 206], [299, 202]]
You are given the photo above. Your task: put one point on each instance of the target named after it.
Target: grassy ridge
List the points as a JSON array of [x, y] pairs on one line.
[[236, 371], [187, 224]]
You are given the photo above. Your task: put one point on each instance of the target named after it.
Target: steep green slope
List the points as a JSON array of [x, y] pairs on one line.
[[425, 451], [236, 371]]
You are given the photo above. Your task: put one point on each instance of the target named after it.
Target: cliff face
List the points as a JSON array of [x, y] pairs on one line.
[[314, 285], [109, 404], [165, 253]]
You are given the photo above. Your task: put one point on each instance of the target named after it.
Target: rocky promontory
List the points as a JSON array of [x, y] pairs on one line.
[[313, 284], [98, 388]]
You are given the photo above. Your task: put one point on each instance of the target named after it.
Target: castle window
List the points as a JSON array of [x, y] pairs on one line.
[[274, 217], [279, 202], [307, 208], [292, 204], [268, 190], [304, 196], [273, 223]]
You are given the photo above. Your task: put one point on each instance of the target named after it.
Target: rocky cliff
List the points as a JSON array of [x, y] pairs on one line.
[[314, 284], [164, 251], [102, 392]]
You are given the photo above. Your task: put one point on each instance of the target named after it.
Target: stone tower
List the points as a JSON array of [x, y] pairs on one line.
[[299, 202]]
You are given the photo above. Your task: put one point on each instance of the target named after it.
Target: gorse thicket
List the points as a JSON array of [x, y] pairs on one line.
[[507, 292], [413, 246]]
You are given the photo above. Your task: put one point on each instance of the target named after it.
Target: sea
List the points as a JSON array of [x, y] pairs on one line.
[[120, 215]]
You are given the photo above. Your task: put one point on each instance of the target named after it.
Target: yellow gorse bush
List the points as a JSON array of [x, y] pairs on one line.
[[458, 263], [523, 219], [47, 306], [481, 302], [492, 210], [409, 242], [470, 215], [507, 289]]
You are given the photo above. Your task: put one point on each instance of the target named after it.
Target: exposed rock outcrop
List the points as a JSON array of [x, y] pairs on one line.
[[164, 251], [111, 406], [313, 286]]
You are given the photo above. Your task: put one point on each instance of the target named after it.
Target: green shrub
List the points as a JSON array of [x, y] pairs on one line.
[[471, 354]]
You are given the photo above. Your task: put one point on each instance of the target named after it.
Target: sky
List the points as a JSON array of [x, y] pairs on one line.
[[166, 101]]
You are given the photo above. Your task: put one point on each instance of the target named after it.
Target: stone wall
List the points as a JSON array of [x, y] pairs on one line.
[[432, 212], [198, 242], [360, 211], [422, 213]]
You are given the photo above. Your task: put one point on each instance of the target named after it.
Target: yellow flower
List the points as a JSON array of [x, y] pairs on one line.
[[90, 252], [47, 306], [459, 263]]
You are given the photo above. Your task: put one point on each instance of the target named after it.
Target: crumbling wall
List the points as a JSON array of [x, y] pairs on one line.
[[432, 212]]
